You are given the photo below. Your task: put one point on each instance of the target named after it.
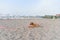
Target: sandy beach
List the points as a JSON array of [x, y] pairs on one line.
[[17, 29]]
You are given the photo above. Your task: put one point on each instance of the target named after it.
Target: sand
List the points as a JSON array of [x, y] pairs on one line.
[[17, 29]]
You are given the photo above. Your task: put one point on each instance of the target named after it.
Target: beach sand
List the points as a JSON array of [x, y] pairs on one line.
[[17, 29]]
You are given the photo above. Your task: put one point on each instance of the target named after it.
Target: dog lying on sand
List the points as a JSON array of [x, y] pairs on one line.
[[33, 25]]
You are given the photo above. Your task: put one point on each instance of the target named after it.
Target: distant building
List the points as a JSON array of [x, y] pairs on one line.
[[57, 14]]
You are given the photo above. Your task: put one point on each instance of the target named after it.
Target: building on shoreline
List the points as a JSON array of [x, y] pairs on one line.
[[57, 14]]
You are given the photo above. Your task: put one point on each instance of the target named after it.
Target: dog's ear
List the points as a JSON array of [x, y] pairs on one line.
[[31, 23]]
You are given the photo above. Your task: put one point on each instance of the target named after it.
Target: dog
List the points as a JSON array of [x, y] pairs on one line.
[[33, 25]]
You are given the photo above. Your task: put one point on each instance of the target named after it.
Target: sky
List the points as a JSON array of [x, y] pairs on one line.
[[29, 7]]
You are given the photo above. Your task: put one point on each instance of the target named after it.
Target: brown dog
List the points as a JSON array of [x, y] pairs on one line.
[[33, 25]]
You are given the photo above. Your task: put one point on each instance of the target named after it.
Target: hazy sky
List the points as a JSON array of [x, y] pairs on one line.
[[29, 7]]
